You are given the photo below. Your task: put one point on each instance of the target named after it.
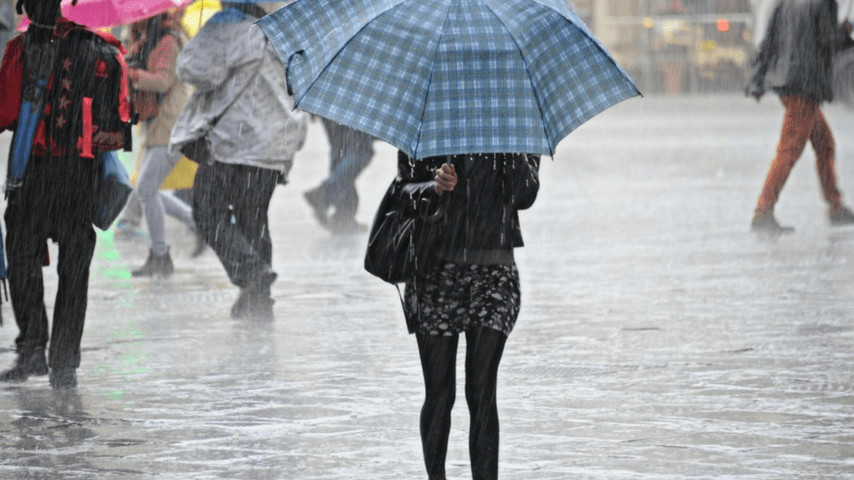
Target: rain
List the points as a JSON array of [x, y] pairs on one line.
[[663, 331]]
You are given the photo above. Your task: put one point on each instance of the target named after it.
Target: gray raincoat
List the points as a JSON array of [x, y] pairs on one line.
[[240, 100]]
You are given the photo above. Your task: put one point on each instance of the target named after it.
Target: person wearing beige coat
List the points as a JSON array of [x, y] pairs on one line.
[[152, 60]]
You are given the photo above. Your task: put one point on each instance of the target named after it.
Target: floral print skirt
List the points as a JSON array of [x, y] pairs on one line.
[[453, 298]]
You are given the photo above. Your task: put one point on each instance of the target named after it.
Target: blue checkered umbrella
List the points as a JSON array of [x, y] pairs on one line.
[[441, 77]]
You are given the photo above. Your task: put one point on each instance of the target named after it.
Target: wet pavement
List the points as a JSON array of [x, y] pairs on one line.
[[658, 338]]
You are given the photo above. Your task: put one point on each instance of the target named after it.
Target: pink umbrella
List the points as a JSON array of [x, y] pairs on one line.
[[109, 13]]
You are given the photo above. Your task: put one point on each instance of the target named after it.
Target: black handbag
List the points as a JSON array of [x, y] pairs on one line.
[[197, 150], [401, 246]]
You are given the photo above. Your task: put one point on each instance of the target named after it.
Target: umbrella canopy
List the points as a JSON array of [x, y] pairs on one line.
[[109, 13], [441, 77]]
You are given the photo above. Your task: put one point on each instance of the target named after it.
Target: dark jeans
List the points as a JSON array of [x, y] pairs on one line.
[[484, 348], [350, 151], [29, 226], [230, 205]]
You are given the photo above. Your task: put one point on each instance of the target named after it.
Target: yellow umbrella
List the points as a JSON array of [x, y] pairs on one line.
[[197, 14], [182, 175]]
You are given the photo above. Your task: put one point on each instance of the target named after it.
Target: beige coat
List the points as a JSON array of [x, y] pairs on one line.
[[159, 76]]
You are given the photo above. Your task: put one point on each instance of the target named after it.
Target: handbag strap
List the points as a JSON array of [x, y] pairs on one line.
[[400, 295], [441, 210]]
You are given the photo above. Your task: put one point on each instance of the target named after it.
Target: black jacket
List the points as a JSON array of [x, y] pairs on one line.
[[481, 224], [796, 55]]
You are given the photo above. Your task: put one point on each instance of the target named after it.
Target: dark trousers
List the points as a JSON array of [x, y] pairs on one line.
[[27, 233], [350, 152], [230, 205], [484, 348]]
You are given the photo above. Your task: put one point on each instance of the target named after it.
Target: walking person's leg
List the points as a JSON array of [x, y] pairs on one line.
[[76, 247], [217, 190], [130, 218], [155, 168], [824, 145], [319, 198], [357, 152], [438, 365], [250, 212], [208, 209], [179, 209], [25, 252], [350, 151], [252, 207], [484, 348], [213, 213], [132, 213], [798, 124]]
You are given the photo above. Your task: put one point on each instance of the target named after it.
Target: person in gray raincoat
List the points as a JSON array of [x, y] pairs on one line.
[[795, 61], [7, 22], [242, 109]]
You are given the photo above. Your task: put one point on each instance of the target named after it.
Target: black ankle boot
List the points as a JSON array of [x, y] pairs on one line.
[[200, 245], [252, 306], [155, 265], [254, 300], [240, 309], [26, 365], [65, 377]]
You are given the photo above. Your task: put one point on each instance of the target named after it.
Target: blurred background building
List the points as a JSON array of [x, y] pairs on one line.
[[667, 46], [679, 46]]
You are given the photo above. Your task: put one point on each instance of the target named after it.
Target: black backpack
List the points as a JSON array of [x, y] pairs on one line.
[[88, 97]]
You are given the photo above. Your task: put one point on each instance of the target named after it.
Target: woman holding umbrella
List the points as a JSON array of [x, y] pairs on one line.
[[471, 289], [453, 84]]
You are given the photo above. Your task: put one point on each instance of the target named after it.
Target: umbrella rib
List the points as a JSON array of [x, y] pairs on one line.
[[528, 71], [427, 94]]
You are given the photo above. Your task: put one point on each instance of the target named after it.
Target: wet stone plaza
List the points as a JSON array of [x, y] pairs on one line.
[[658, 338]]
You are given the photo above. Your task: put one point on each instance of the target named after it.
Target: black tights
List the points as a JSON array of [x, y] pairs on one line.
[[484, 348]]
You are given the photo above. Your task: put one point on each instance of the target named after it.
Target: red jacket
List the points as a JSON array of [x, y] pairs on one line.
[[12, 73]]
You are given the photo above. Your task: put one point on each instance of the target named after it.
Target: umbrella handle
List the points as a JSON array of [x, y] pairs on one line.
[[297, 57]]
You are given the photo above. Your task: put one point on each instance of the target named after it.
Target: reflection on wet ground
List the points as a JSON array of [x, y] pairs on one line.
[[658, 338]]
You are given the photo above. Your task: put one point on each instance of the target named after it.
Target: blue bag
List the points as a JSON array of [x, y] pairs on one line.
[[113, 191], [22, 143]]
